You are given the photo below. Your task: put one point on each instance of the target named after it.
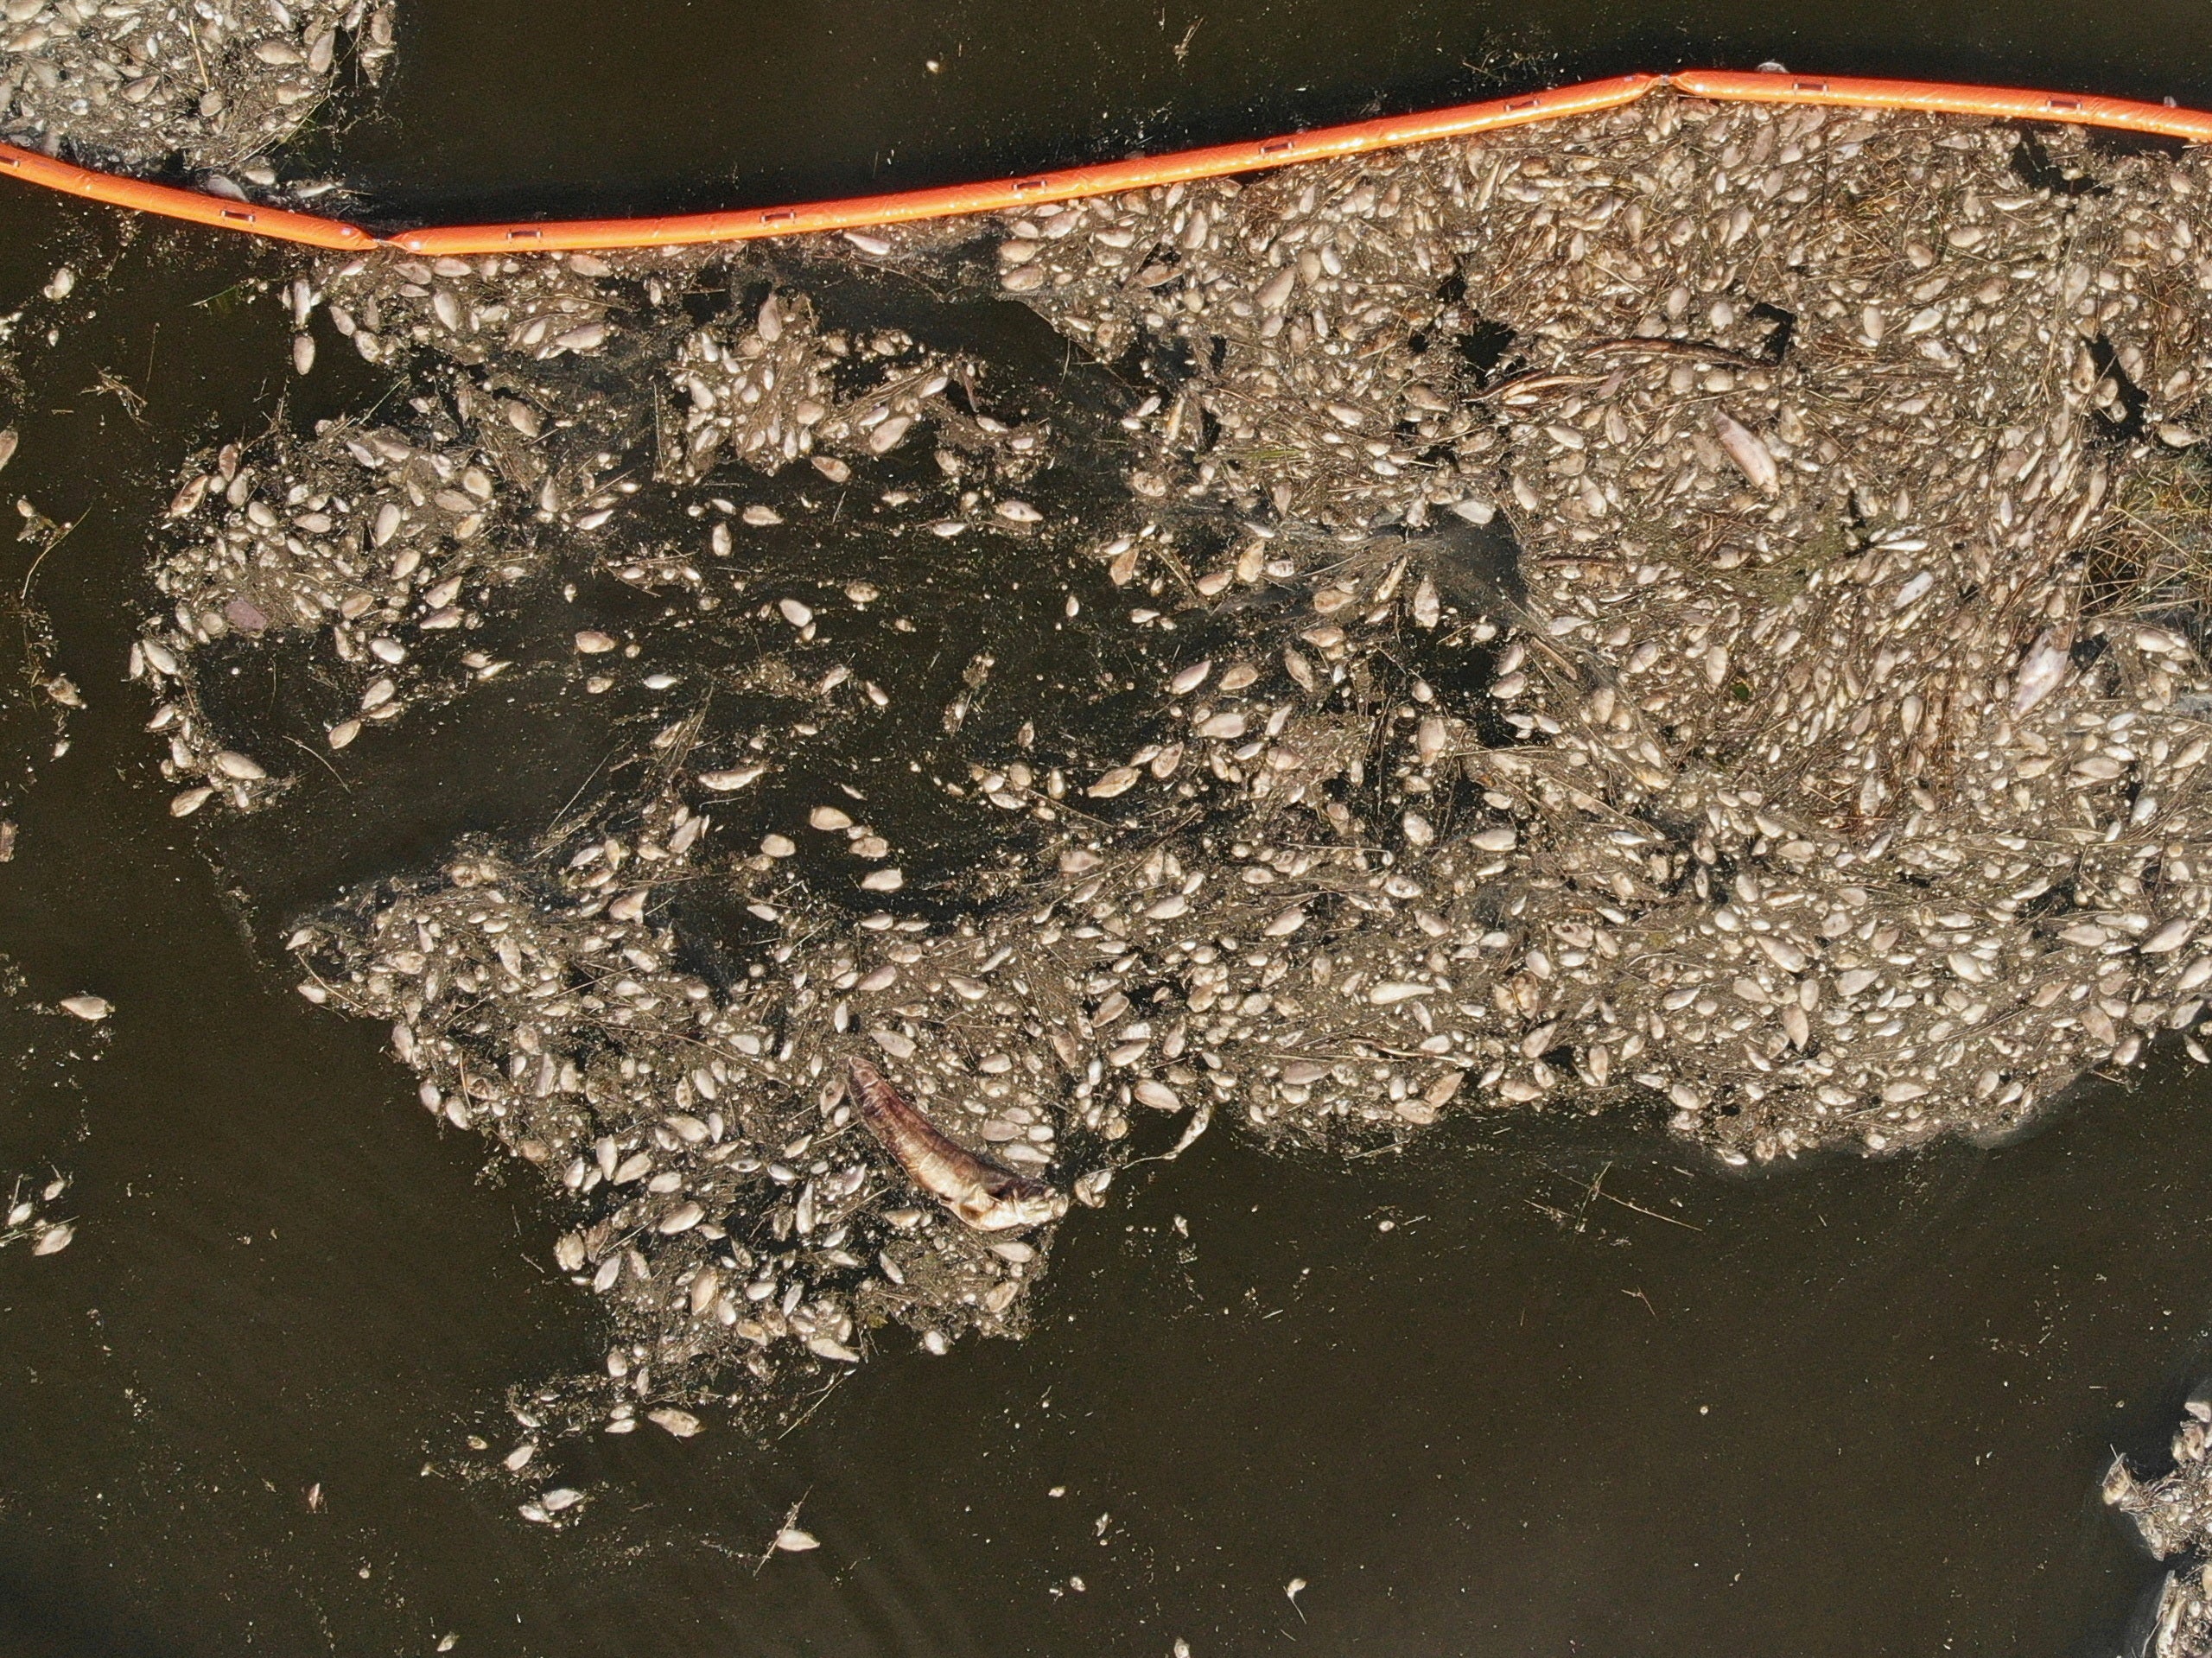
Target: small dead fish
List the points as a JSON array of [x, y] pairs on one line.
[[986, 1195], [1743, 447], [182, 505], [2041, 671], [729, 781]]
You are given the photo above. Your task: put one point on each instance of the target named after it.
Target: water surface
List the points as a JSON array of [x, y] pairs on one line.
[[1534, 1388]]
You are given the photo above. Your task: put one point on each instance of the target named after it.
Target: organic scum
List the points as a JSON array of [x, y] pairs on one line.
[[1694, 610]]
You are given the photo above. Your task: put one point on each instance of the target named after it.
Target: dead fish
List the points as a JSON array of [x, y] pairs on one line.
[[986, 1195], [1752, 457], [2041, 670]]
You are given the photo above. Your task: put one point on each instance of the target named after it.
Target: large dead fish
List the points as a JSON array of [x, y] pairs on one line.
[[989, 1196]]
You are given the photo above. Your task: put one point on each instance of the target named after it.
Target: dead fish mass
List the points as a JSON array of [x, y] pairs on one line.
[[1694, 610]]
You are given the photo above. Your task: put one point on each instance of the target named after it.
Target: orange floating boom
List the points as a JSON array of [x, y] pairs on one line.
[[1106, 179], [195, 206], [2001, 103]]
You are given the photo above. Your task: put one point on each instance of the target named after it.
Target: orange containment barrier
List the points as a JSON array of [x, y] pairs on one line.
[[1390, 133], [195, 206], [2001, 103]]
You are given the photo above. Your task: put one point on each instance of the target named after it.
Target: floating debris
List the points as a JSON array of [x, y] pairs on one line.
[[131, 84], [2173, 1513], [789, 1539], [401, 539], [1808, 838], [29, 1215], [1567, 620]]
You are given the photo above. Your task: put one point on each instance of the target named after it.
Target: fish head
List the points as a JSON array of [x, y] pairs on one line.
[[1012, 1206]]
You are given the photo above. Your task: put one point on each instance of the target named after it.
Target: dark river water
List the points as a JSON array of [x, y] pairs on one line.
[[1528, 1389], [525, 108]]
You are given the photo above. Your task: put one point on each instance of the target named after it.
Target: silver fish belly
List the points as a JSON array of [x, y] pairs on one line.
[[988, 1195]]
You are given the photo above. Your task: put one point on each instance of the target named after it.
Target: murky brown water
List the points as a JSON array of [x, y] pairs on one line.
[[509, 110], [1844, 1408]]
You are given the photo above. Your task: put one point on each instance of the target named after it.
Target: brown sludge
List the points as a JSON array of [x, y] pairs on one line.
[[1701, 610]]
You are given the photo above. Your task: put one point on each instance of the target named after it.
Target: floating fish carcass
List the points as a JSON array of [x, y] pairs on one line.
[[986, 1195]]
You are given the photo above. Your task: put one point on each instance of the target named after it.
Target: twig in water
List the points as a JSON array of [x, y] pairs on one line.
[[326, 766], [24, 595], [1687, 1226], [791, 1519]]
